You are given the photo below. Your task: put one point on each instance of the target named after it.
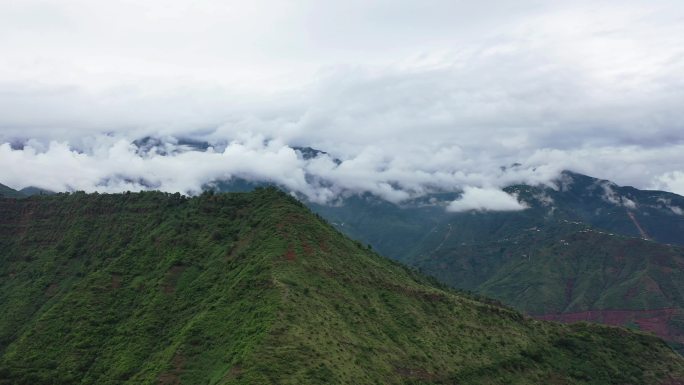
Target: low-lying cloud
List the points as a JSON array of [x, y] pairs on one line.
[[110, 164], [485, 199]]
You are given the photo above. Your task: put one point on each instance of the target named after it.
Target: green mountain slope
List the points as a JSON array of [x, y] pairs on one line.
[[392, 230], [572, 269], [252, 288]]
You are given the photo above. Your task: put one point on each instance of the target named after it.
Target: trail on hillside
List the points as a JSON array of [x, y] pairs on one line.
[[446, 236], [638, 226]]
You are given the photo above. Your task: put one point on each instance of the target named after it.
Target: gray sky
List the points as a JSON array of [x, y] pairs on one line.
[[411, 95]]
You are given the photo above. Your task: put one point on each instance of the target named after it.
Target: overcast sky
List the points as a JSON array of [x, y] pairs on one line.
[[410, 95]]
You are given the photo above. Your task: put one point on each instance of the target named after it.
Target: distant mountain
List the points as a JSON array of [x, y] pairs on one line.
[[23, 193], [655, 215], [32, 190], [9, 192], [410, 229], [585, 250], [571, 272], [252, 288]]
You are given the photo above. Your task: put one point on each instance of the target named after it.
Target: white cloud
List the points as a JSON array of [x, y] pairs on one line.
[[412, 98], [110, 163], [670, 181], [667, 202], [611, 196], [485, 199]]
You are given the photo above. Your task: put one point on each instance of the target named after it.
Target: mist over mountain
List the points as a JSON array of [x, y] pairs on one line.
[[110, 164], [354, 192]]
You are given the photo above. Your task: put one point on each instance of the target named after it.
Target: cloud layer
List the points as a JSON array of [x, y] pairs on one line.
[[410, 98], [485, 199]]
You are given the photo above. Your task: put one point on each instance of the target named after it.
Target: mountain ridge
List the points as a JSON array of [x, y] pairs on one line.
[[422, 233], [254, 288]]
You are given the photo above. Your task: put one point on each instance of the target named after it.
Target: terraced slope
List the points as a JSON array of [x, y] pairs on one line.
[[253, 288]]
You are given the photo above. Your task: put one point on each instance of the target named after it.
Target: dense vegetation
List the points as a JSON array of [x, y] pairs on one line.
[[252, 288]]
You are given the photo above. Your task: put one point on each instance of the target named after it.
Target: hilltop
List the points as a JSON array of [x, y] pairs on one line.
[[252, 288]]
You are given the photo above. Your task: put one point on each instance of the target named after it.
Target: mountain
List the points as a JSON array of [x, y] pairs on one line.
[[32, 190], [405, 230], [9, 192], [393, 230], [570, 272], [655, 215], [23, 193], [584, 249], [252, 288]]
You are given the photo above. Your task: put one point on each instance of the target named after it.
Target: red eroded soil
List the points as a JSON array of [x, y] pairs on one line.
[[308, 250], [290, 253], [324, 246], [654, 321]]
